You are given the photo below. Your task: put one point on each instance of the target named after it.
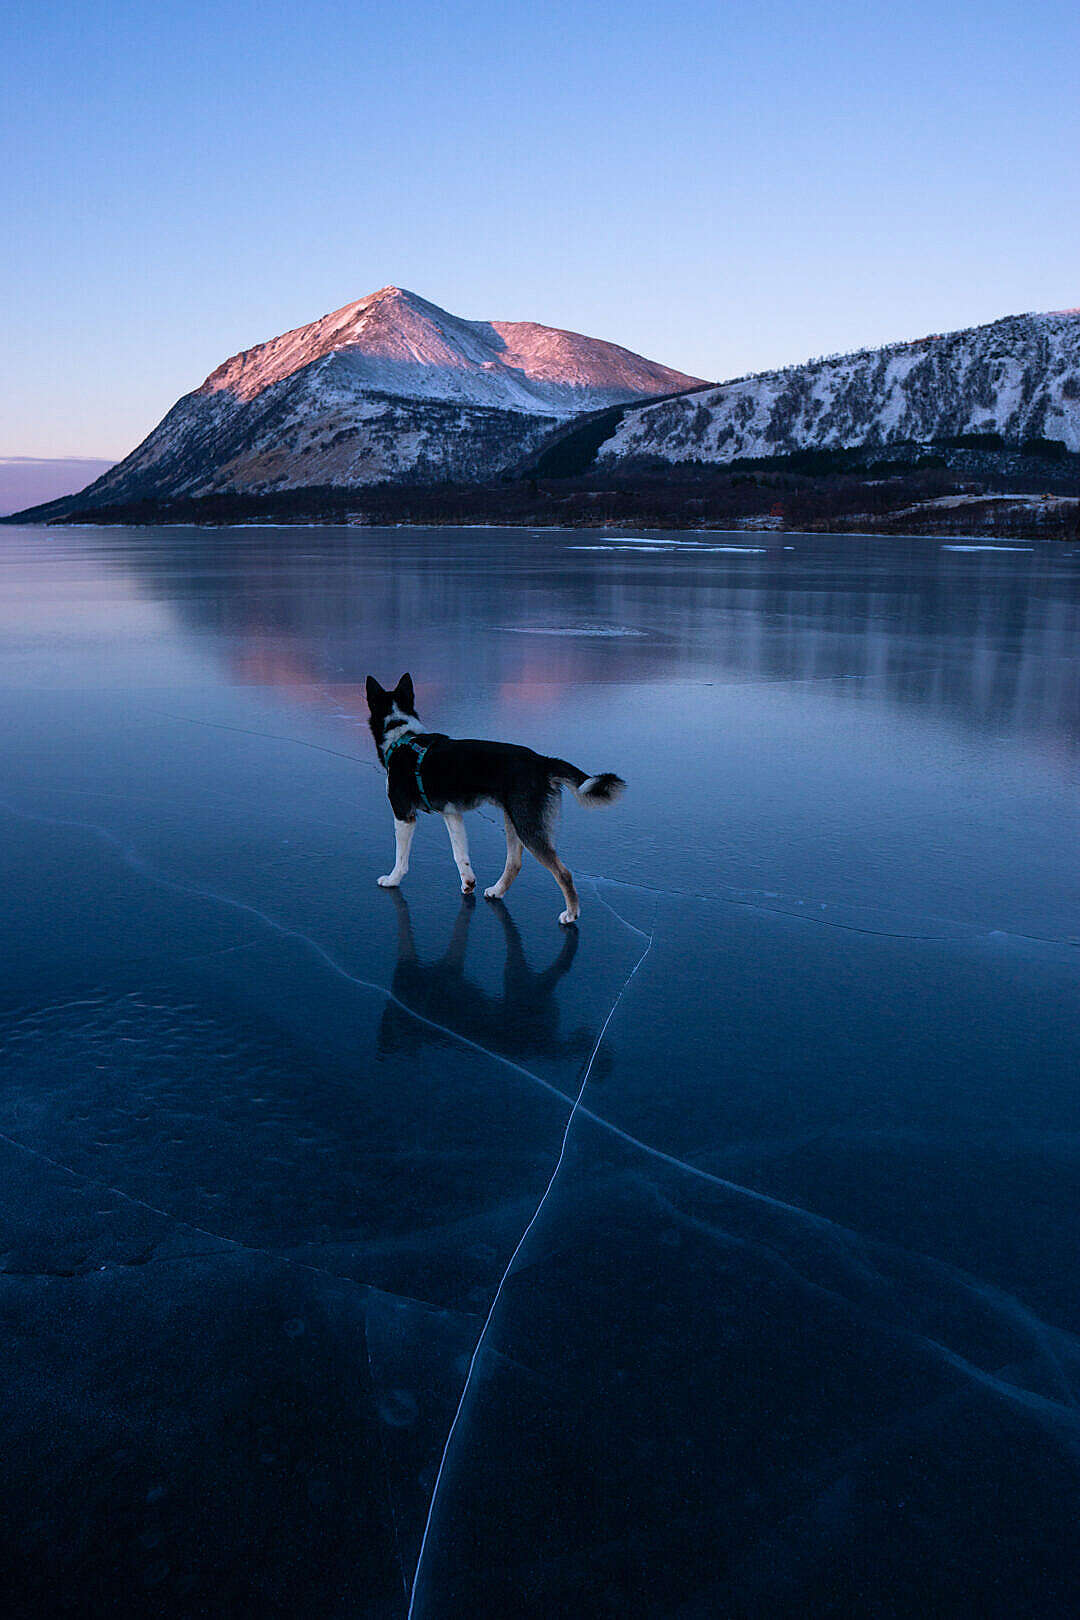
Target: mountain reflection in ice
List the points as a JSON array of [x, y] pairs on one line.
[[793, 1330]]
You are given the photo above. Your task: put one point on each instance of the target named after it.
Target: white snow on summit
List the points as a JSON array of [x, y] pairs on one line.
[[395, 342]]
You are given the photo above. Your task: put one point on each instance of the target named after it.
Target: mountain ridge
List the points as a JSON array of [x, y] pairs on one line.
[[1016, 379], [387, 388], [392, 391]]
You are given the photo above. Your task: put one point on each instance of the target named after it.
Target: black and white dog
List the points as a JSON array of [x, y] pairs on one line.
[[426, 770]]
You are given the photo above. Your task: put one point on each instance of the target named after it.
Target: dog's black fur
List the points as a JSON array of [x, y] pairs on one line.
[[459, 774]]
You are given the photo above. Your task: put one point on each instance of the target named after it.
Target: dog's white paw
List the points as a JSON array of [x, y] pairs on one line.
[[468, 885], [389, 881], [567, 917], [494, 893]]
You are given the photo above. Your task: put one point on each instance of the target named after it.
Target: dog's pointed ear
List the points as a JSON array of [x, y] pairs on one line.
[[404, 695], [376, 694]]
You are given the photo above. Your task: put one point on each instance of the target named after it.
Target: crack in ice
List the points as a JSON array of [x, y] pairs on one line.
[[641, 932], [1007, 1304], [509, 1268], [272, 736], [764, 900], [204, 1231], [1042, 1333], [686, 1166], [130, 855]]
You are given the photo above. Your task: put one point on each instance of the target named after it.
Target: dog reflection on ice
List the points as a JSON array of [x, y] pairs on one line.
[[521, 1023]]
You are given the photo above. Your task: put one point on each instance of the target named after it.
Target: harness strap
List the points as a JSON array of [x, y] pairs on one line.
[[419, 751]]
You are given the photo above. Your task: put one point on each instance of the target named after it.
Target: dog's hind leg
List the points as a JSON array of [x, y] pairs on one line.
[[545, 854], [513, 862], [459, 843], [403, 837]]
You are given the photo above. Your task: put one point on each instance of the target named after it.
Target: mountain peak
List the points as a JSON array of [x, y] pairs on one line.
[[389, 387], [391, 295], [395, 342]]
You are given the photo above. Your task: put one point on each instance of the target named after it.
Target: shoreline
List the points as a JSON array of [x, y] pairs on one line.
[[772, 539]]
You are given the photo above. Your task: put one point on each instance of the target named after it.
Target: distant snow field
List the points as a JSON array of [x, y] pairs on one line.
[[1018, 378]]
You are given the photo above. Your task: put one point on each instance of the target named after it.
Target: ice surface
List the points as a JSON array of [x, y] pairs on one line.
[[371, 1252]]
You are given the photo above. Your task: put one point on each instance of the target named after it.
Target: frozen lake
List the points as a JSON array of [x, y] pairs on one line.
[[327, 1288]]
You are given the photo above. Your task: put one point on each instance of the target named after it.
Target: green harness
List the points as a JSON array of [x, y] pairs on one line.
[[409, 741]]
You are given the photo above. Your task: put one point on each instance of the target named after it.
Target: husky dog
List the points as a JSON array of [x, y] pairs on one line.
[[426, 770]]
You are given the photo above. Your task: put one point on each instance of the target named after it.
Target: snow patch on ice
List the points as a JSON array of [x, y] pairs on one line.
[[571, 630], [694, 547]]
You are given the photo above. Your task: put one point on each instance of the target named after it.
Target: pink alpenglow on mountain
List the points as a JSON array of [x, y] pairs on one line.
[[391, 388], [396, 340]]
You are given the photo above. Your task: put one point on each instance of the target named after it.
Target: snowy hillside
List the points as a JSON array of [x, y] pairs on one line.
[[1019, 378], [389, 387]]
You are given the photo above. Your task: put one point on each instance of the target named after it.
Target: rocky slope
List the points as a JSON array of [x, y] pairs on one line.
[[1017, 378], [388, 388]]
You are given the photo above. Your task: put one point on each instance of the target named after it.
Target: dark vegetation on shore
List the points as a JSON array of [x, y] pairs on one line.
[[1030, 490]]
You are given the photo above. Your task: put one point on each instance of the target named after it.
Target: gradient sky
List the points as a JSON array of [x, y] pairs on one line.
[[721, 187]]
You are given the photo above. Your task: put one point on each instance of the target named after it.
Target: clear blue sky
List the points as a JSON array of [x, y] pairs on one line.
[[719, 186]]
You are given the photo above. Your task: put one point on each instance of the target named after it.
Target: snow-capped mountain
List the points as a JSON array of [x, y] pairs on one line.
[[1018, 378], [390, 387]]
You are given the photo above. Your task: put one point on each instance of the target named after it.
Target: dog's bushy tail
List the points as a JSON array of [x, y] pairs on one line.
[[592, 791]]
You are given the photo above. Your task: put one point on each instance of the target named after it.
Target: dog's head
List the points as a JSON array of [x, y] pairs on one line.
[[390, 711]]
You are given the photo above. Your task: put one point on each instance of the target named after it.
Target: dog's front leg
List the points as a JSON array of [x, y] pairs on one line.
[[459, 843], [403, 837], [513, 862]]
